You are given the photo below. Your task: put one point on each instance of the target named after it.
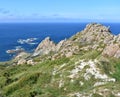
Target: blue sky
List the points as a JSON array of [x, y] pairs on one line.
[[59, 10]]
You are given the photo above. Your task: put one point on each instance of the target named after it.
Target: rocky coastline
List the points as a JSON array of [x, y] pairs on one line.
[[93, 37]]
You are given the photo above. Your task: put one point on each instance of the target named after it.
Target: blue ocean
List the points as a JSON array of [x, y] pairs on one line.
[[28, 35]]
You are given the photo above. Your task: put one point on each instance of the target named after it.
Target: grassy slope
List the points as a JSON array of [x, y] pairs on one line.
[[39, 81]]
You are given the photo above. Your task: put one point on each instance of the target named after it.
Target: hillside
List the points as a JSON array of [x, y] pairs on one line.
[[85, 65]]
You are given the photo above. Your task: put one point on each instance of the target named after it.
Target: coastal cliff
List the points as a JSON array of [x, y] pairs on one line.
[[85, 65]]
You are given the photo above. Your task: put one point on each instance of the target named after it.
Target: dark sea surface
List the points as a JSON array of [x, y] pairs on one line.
[[16, 35]]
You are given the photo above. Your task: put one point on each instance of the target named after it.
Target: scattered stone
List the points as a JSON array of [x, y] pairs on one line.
[[81, 83], [21, 56], [91, 70], [99, 84]]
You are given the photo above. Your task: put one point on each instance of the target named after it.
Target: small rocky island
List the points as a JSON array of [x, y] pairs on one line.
[[85, 65]]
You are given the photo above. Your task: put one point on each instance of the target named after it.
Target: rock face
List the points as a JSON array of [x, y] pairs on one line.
[[45, 47]]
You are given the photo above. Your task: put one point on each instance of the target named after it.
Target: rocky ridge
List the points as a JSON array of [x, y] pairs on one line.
[[94, 36]]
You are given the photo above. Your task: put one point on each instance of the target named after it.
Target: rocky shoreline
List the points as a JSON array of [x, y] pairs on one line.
[[93, 37]]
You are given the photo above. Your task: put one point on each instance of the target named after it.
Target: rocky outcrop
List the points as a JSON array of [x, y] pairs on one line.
[[22, 55], [94, 33], [60, 44], [63, 48], [99, 37], [23, 58], [26, 61], [45, 47], [112, 50]]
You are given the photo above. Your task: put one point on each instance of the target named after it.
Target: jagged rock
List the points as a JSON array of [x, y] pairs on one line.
[[60, 44], [69, 48], [111, 50], [94, 33], [45, 47], [94, 27]]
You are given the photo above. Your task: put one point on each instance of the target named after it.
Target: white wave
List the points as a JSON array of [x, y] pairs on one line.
[[33, 43], [16, 50], [27, 41]]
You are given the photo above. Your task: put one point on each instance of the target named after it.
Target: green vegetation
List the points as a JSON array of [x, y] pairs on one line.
[[29, 81], [96, 95], [39, 80], [116, 73], [91, 55], [111, 66]]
